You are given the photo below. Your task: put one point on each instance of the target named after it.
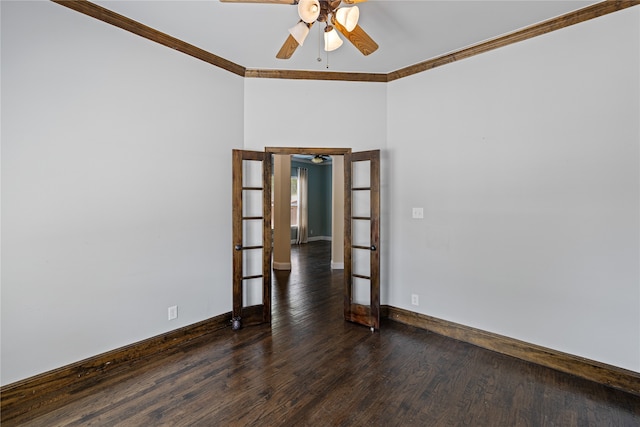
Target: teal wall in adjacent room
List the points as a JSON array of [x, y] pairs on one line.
[[319, 189]]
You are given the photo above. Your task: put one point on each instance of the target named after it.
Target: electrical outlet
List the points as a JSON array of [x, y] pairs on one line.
[[173, 312], [414, 299], [417, 213]]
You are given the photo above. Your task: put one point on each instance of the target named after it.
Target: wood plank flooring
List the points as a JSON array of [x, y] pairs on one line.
[[310, 368]]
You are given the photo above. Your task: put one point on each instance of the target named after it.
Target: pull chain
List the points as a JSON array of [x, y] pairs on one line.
[[321, 47], [320, 40]]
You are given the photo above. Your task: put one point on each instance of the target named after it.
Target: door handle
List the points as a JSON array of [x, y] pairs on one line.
[[373, 247], [238, 247]]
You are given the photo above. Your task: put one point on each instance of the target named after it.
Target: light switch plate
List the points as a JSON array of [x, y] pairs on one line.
[[418, 213]]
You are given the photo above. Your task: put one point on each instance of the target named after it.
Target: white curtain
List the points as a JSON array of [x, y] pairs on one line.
[[303, 220]]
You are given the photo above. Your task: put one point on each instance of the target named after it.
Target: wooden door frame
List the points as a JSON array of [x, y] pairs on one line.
[[308, 151], [355, 313], [369, 316]]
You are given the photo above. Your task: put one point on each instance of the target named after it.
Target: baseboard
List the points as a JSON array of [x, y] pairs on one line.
[[613, 376], [37, 395], [313, 239], [337, 265], [282, 266]]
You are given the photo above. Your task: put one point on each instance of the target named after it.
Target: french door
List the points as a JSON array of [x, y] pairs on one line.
[[362, 238], [251, 238]]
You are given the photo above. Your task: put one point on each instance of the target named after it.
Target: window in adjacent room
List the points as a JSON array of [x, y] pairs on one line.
[[294, 200]]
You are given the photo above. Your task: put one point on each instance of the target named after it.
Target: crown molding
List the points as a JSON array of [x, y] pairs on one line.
[[544, 27], [563, 21], [105, 15], [315, 75]]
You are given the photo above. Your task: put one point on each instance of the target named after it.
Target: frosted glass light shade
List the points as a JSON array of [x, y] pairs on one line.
[[348, 17], [331, 40], [309, 10], [299, 32]]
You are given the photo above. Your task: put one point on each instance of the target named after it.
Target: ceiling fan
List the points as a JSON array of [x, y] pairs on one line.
[[320, 158], [329, 12]]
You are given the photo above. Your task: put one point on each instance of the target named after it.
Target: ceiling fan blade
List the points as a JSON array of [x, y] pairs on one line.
[[262, 1], [359, 38], [290, 45]]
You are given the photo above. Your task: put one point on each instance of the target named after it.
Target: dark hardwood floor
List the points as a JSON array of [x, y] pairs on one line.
[[310, 368]]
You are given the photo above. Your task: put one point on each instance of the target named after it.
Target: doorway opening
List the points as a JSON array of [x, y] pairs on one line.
[[322, 202], [253, 241], [307, 247]]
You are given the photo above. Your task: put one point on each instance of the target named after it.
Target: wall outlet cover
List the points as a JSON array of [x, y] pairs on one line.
[[173, 312]]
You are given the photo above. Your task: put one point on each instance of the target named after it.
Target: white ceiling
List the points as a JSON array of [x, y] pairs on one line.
[[407, 31]]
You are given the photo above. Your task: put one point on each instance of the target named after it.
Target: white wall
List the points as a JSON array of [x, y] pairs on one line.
[[302, 113], [526, 161], [116, 187]]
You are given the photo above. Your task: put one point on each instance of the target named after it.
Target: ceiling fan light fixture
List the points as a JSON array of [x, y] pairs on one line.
[[309, 10], [348, 17], [331, 39], [300, 31], [317, 159]]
